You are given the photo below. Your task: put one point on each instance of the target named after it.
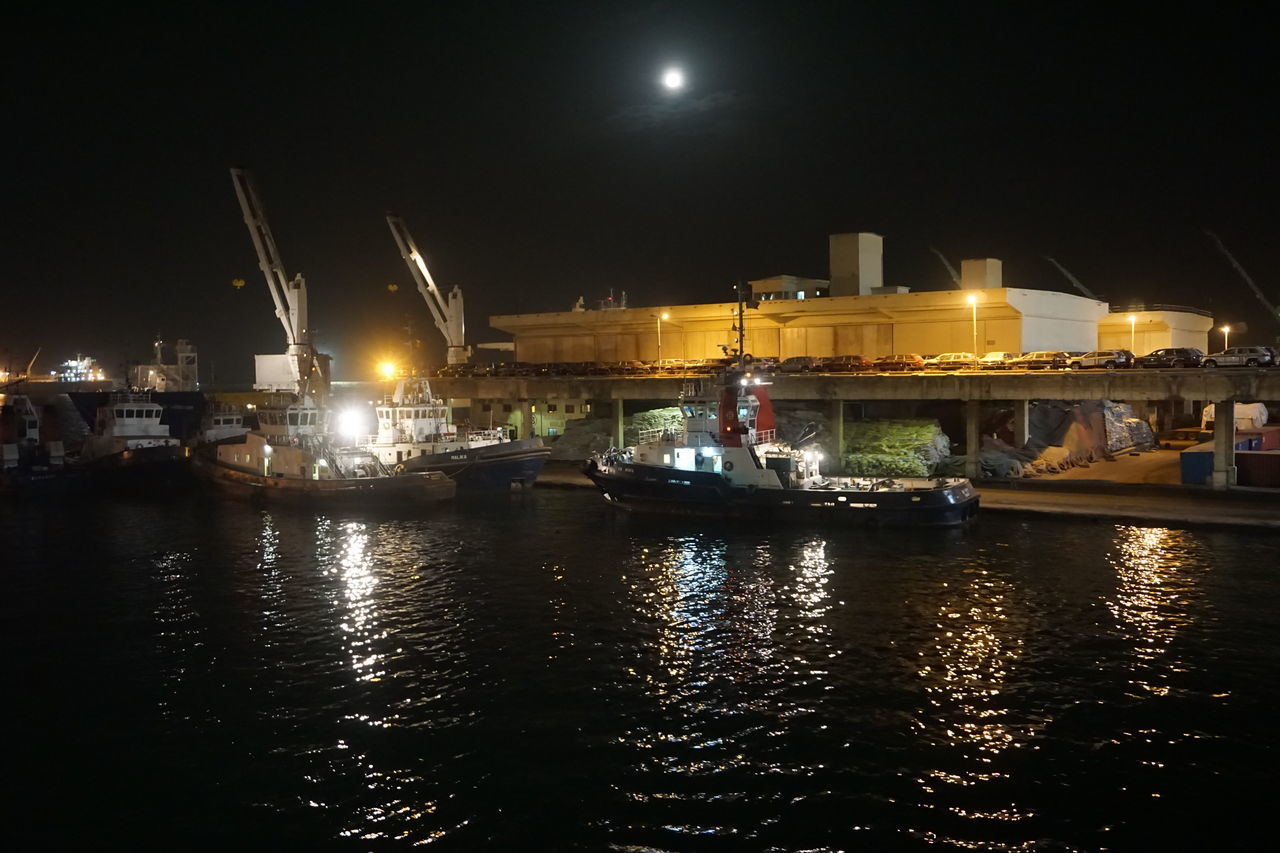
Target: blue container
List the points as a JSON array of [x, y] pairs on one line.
[[1197, 464]]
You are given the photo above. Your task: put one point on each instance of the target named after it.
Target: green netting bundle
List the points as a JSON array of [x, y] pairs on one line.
[[894, 448]]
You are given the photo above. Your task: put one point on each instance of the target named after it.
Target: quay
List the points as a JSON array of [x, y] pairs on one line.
[[1115, 503], [1170, 392]]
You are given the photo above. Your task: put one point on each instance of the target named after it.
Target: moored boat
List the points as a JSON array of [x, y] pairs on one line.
[[729, 461], [129, 445], [415, 434], [290, 458]]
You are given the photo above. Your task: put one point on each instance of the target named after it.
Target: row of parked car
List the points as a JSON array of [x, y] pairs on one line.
[[1113, 359]]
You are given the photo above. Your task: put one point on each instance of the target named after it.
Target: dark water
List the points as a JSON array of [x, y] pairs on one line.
[[541, 674]]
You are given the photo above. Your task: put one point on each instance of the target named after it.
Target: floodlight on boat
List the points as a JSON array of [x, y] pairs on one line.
[[387, 369], [350, 423]]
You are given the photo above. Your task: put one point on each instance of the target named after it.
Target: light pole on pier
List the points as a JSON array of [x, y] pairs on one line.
[[972, 299]]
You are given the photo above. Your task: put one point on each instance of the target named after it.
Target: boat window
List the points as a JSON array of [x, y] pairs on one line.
[[293, 419], [119, 413]]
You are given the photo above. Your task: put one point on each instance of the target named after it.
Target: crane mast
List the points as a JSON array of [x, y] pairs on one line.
[[1248, 279], [447, 314], [301, 369], [951, 271], [1075, 282]]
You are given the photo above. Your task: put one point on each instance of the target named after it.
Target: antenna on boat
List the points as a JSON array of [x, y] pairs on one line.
[[741, 325]]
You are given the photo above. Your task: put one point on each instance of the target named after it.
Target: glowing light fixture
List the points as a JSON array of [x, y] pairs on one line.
[[1226, 336], [673, 79], [350, 423], [387, 369]]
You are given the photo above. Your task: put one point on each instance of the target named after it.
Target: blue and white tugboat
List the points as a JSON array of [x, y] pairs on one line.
[[415, 434], [728, 461]]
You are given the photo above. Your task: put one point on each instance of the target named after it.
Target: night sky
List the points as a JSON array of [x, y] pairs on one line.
[[536, 159]]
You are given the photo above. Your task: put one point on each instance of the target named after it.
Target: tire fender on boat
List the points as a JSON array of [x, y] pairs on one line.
[[728, 466]]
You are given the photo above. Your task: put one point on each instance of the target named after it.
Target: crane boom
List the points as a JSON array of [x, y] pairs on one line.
[[1257, 291], [289, 296], [448, 314], [951, 271], [1074, 281], [300, 369]]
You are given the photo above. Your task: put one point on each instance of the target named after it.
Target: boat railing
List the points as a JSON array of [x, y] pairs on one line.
[[764, 436], [654, 435]]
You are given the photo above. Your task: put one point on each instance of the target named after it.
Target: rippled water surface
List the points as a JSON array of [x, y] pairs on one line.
[[538, 673]]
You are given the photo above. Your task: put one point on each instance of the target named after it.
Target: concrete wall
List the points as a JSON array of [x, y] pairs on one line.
[[1152, 330], [1056, 321]]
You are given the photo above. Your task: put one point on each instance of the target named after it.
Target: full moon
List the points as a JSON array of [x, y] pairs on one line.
[[673, 79]]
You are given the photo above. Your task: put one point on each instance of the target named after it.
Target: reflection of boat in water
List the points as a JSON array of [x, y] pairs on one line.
[[129, 443], [289, 458], [728, 461], [414, 434]]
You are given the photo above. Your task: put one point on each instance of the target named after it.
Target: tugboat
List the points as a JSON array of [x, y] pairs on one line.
[[129, 445], [728, 461], [290, 459], [414, 434]]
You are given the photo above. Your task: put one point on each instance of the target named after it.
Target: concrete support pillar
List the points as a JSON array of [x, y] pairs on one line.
[[1224, 444], [837, 436], [526, 419], [972, 441], [1021, 422], [617, 417]]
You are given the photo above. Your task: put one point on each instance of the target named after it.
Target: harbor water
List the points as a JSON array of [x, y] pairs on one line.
[[535, 671]]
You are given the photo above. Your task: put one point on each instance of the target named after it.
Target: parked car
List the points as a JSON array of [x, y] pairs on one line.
[[1240, 357], [1108, 358], [951, 361], [904, 361], [669, 365], [456, 370], [996, 360], [797, 364], [1171, 357], [843, 364], [1043, 359]]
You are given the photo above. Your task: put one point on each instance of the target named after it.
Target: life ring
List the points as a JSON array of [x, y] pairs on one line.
[[728, 466], [399, 469]]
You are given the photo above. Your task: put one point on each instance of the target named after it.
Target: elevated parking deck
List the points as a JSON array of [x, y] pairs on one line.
[[1190, 384]]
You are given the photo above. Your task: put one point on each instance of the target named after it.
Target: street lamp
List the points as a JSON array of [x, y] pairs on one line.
[[972, 299], [1226, 337], [660, 317], [1133, 332]]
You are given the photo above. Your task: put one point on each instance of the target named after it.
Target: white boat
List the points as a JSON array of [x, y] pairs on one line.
[[290, 458], [129, 441], [415, 434]]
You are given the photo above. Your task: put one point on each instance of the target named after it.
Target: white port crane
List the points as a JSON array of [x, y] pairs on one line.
[[1075, 282], [447, 313], [300, 367]]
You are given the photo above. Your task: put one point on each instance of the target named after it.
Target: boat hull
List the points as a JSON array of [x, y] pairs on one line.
[[143, 468], [492, 466], [402, 490], [654, 489]]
